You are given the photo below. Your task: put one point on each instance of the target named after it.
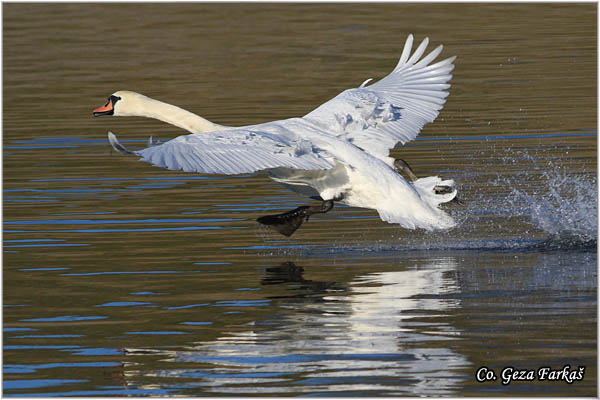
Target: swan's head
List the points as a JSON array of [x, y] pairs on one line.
[[121, 103]]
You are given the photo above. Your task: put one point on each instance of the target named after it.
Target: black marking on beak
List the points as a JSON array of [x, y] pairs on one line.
[[108, 108]]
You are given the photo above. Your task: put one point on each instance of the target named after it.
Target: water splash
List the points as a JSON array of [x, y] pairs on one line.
[[519, 200], [527, 201], [561, 204]]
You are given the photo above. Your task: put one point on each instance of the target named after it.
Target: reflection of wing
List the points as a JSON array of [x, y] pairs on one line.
[[236, 151], [392, 110]]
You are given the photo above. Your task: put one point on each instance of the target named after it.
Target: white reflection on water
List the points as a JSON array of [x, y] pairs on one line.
[[374, 337]]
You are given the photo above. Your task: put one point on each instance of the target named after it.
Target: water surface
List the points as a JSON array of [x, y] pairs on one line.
[[124, 279]]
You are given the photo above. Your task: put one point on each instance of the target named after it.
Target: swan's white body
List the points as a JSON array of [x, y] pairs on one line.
[[338, 151]]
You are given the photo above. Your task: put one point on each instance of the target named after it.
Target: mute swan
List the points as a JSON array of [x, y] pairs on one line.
[[337, 152]]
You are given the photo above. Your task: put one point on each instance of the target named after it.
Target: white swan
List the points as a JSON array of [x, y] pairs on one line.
[[338, 152]]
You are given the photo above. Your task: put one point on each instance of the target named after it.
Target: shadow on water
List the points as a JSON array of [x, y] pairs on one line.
[[290, 274]]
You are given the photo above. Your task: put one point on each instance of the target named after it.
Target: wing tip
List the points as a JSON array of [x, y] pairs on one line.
[[406, 58], [118, 147]]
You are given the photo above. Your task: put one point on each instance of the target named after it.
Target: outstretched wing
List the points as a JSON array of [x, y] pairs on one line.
[[374, 118], [394, 109], [234, 151]]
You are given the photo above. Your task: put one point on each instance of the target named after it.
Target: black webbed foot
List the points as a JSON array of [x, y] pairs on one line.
[[443, 189], [288, 222]]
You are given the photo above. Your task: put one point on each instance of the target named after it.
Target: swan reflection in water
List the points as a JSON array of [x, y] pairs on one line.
[[369, 336]]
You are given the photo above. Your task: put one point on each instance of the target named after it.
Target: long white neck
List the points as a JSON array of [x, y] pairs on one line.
[[136, 104]]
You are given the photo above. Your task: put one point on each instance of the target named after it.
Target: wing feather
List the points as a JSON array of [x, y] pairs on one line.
[[237, 151], [374, 118], [394, 109], [430, 57], [418, 52], [405, 52]]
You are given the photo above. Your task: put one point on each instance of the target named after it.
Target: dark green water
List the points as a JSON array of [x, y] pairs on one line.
[[121, 279]]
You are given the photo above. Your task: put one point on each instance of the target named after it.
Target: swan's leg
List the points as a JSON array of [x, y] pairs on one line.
[[288, 222], [403, 167]]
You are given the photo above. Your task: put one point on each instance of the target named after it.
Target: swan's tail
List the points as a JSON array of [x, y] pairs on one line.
[[116, 145], [417, 215], [420, 209]]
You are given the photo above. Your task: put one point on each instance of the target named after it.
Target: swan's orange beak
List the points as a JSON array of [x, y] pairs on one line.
[[106, 109]]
